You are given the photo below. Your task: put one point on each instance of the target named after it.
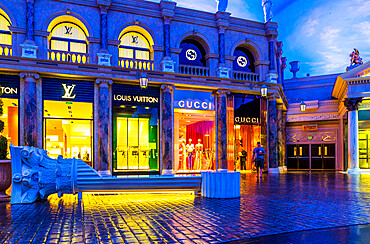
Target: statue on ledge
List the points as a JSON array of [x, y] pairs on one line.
[[267, 5], [355, 57], [222, 5]]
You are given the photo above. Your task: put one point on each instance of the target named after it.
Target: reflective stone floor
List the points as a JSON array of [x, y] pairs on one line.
[[300, 203]]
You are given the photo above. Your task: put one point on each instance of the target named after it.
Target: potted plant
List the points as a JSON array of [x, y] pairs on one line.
[[5, 163]]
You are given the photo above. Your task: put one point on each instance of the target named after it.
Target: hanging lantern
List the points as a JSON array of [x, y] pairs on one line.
[[263, 91], [143, 81], [302, 106]]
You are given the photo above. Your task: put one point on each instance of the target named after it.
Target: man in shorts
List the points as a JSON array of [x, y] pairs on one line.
[[259, 158]]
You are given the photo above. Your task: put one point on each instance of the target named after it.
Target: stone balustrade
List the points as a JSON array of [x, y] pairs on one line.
[[55, 55], [5, 50], [136, 64], [193, 70], [238, 75]]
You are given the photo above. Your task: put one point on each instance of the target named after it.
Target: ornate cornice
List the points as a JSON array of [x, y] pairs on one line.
[[312, 117], [352, 103]]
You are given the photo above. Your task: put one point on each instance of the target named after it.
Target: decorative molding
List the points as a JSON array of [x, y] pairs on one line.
[[316, 136], [352, 103], [167, 88], [313, 117], [25, 75], [104, 81], [363, 105]]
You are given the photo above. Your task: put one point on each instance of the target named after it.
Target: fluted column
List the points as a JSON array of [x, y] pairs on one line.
[[30, 111], [221, 128], [104, 57], [103, 125], [29, 48], [167, 103], [353, 156], [273, 136]]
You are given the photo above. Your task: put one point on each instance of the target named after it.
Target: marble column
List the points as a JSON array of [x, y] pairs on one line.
[[283, 132], [30, 115], [272, 56], [221, 128], [167, 11], [104, 57], [272, 76], [264, 127], [273, 136], [29, 48], [167, 114], [340, 154], [353, 155], [103, 123], [222, 23], [280, 136]]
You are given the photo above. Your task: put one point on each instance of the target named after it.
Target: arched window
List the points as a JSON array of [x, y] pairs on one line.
[[244, 60], [68, 42], [192, 53], [5, 36], [136, 49]]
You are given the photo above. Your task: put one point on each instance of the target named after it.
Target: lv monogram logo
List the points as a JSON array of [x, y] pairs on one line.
[[134, 39], [68, 30], [68, 90]]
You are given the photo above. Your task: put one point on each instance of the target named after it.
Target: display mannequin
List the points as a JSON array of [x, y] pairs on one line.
[[198, 155], [208, 159], [190, 151], [182, 154]]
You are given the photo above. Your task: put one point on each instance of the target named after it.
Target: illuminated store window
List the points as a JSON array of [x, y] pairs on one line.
[[68, 43], [244, 130], [364, 137], [5, 36], [194, 131], [68, 128], [135, 50], [10, 119], [135, 129], [244, 60]]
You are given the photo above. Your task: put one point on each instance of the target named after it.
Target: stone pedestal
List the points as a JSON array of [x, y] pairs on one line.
[[221, 184], [167, 129], [29, 49], [353, 156], [104, 58], [273, 136], [223, 72], [168, 65], [221, 127], [103, 99], [272, 78]]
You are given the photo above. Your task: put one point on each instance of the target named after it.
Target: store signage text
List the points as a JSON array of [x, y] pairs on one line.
[[249, 120], [138, 99], [68, 90], [9, 90], [197, 105]]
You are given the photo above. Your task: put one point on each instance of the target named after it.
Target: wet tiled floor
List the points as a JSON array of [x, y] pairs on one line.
[[276, 204]]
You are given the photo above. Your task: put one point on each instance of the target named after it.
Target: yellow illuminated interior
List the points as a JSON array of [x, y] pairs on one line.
[[70, 19], [10, 119], [68, 129], [133, 146], [4, 26], [198, 124], [69, 34]]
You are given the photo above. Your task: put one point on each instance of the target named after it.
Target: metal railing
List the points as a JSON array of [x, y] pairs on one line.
[[194, 70], [5, 50], [247, 76], [136, 64], [80, 58]]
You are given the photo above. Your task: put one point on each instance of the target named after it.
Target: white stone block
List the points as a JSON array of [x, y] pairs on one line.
[[29, 50], [168, 65], [104, 59], [221, 184]]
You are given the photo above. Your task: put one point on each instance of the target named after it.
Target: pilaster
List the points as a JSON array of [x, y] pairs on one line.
[[102, 126], [29, 48], [221, 128], [31, 110], [273, 136], [167, 134]]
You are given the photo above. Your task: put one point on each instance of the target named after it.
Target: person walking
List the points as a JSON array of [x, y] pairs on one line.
[[259, 158]]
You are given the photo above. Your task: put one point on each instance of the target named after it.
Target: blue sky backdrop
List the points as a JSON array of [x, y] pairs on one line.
[[319, 33]]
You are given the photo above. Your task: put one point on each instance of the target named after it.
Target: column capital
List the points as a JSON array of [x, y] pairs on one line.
[[279, 106], [167, 20], [26, 75], [352, 103], [103, 9], [168, 88], [103, 82], [221, 92], [167, 8]]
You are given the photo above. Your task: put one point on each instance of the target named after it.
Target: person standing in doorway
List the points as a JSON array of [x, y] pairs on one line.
[[259, 158], [243, 159]]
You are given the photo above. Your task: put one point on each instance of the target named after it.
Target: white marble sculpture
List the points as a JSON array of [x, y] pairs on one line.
[[267, 6], [222, 5]]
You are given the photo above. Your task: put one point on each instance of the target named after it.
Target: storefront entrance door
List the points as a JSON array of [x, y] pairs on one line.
[[298, 156], [323, 156]]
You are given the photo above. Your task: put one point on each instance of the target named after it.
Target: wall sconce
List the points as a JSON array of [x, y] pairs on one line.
[[263, 91], [143, 80]]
